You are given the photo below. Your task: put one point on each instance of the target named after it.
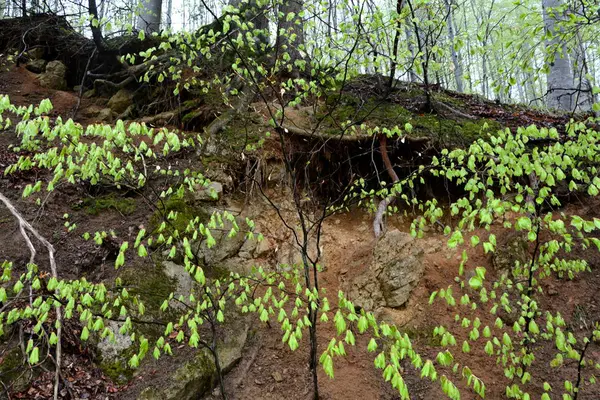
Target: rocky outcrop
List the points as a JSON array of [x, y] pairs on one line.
[[212, 192], [396, 270], [55, 76], [198, 375]]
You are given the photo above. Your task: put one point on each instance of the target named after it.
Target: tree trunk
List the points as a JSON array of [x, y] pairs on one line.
[[169, 13], [458, 71], [149, 18], [255, 14], [413, 77], [290, 33], [560, 78]]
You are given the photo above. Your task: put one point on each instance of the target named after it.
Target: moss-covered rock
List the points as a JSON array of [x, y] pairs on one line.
[[186, 211], [98, 205], [11, 369], [198, 375]]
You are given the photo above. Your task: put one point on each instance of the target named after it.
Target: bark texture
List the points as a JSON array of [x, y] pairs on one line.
[[560, 78]]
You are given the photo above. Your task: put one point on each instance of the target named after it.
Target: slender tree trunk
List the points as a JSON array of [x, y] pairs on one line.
[[413, 77], [149, 17], [458, 71], [169, 13], [560, 78], [290, 33], [96, 30]]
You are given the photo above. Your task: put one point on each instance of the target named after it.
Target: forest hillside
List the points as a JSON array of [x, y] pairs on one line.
[[267, 199]]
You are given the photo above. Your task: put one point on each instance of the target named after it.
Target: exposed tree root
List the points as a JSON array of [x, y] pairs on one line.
[[25, 228]]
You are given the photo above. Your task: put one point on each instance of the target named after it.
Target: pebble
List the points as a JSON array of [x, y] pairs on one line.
[[277, 376]]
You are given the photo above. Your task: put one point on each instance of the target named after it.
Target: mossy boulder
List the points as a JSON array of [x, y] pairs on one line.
[[36, 66], [55, 76], [11, 369], [120, 101], [198, 375]]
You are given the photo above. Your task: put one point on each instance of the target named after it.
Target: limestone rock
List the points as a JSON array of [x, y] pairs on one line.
[[212, 192], [263, 248], [37, 65], [247, 249], [182, 278], [120, 101], [226, 247], [197, 376], [396, 270], [113, 353], [55, 76]]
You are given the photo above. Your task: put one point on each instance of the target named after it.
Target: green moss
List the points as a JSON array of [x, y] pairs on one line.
[[11, 369], [98, 205], [150, 283], [185, 210], [118, 370]]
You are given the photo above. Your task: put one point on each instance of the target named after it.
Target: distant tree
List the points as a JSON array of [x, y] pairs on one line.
[[149, 17], [560, 76]]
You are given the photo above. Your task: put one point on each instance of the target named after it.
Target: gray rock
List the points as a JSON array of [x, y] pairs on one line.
[[263, 248], [105, 115], [396, 270], [120, 101], [226, 247], [111, 349], [238, 265], [37, 65], [197, 376], [212, 192], [247, 249], [55, 76], [184, 281], [114, 352]]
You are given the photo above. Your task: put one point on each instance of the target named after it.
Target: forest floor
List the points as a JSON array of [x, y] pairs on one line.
[[269, 369]]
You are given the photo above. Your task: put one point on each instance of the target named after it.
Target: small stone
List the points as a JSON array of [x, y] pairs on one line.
[[277, 376], [552, 291], [89, 94], [258, 382]]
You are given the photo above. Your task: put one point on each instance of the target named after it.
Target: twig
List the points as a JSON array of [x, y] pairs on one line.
[[87, 66], [25, 226]]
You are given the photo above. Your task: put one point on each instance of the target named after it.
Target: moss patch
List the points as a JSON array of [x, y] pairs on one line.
[[98, 205], [118, 370], [185, 210]]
